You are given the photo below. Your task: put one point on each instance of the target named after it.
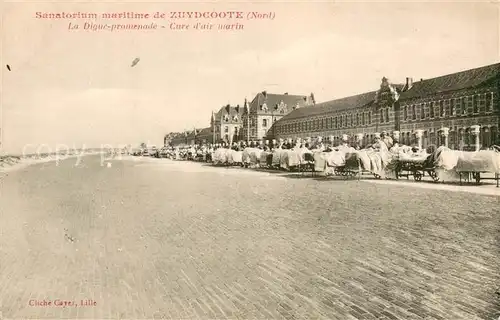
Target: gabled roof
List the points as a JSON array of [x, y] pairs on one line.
[[272, 99], [231, 111], [452, 82], [346, 103]]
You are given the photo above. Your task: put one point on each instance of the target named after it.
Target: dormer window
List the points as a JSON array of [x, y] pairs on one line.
[[226, 118], [264, 107], [235, 118]]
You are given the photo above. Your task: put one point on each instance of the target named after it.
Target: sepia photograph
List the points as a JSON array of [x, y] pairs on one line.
[[257, 159]]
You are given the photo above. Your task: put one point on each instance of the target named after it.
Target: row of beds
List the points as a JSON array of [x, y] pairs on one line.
[[416, 167]]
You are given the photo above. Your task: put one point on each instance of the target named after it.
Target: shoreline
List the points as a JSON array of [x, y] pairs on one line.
[[10, 163]]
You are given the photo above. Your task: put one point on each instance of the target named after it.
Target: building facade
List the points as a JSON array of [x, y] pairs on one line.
[[460, 110], [227, 123], [267, 108]]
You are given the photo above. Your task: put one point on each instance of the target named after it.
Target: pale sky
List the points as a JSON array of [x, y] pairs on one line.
[[77, 87]]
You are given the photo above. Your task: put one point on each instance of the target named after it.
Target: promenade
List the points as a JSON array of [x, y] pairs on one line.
[[153, 238]]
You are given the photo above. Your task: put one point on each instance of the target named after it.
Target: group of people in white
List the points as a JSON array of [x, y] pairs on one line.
[[382, 157]]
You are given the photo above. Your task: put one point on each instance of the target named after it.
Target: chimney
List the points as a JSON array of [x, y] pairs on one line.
[[409, 83], [264, 93], [238, 108]]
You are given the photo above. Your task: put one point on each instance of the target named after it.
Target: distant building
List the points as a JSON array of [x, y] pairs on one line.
[[203, 135], [191, 137], [267, 108], [460, 110]]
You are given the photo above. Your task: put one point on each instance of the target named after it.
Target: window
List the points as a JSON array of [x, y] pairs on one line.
[[414, 112], [226, 129], [264, 123], [363, 118], [475, 104], [490, 101], [431, 110], [387, 115], [422, 111], [470, 104], [369, 117], [453, 110], [351, 116], [441, 108], [405, 113], [381, 115], [460, 106], [482, 102]]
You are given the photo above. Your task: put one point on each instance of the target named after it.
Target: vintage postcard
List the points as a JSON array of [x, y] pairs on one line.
[[250, 160]]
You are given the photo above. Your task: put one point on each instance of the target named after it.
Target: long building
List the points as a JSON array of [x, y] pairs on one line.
[[460, 110], [191, 137]]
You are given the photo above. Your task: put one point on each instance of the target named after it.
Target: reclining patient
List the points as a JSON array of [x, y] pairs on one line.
[[379, 144]]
